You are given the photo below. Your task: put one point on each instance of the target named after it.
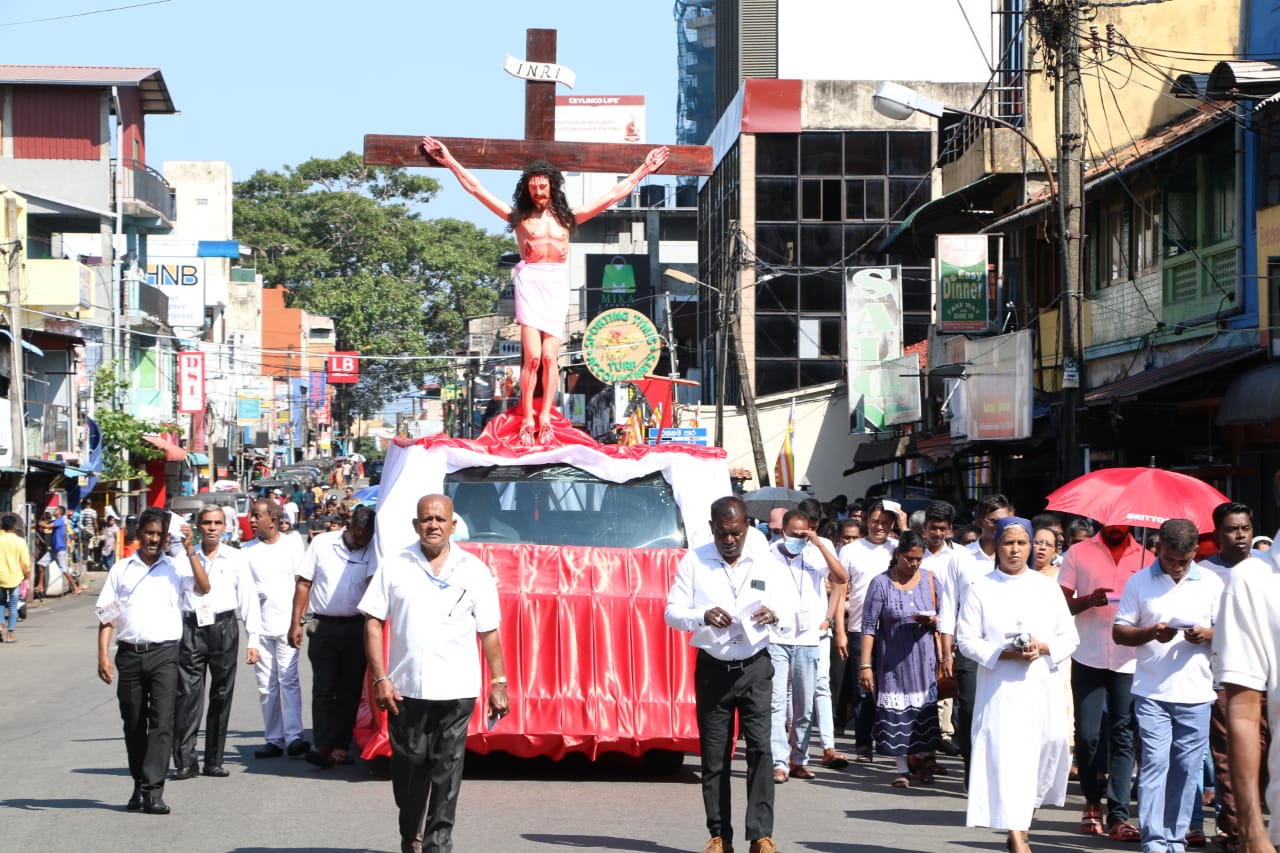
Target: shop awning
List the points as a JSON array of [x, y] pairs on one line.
[[172, 452], [1159, 377], [198, 459], [963, 211], [1252, 398], [873, 454], [56, 467], [26, 344]]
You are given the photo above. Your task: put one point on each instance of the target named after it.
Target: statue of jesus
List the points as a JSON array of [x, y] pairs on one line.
[[542, 220]]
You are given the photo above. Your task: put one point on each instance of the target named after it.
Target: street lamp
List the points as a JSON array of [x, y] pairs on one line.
[[899, 102]]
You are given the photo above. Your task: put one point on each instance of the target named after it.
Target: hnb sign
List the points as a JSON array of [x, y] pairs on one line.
[[182, 280]]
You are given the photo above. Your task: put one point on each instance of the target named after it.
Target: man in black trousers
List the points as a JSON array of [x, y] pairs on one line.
[[210, 643], [139, 603], [726, 592]]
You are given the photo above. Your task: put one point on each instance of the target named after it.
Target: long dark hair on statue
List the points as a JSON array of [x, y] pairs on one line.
[[522, 206]]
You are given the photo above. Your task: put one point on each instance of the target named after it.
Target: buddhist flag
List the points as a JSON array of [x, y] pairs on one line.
[[784, 470], [633, 432]]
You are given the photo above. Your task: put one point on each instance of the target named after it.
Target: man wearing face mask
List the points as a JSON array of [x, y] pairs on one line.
[[807, 563]]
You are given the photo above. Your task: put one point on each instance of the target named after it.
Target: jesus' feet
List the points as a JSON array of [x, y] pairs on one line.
[[527, 432], [546, 435]]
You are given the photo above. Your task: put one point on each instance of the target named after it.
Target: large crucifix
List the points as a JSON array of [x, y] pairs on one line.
[[541, 217]]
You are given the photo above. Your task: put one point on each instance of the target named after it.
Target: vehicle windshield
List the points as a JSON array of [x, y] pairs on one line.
[[563, 505]]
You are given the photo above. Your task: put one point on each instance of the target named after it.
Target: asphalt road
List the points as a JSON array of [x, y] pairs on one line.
[[63, 784]]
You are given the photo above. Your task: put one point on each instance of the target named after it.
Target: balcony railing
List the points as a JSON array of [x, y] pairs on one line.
[[139, 182]]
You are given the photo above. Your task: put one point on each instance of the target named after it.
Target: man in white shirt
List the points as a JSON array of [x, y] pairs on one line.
[[1167, 612], [862, 560], [1247, 664], [139, 602], [726, 593], [806, 563], [274, 561], [332, 580], [970, 563], [210, 642], [438, 599], [1233, 534], [939, 521]]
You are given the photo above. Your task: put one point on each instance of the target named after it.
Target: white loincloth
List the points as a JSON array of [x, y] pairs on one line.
[[542, 297]]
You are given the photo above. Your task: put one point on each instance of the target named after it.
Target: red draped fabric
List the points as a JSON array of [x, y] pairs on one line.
[[591, 664]]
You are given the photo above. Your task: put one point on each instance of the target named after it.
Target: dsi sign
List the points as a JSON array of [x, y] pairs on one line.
[[343, 368], [183, 281]]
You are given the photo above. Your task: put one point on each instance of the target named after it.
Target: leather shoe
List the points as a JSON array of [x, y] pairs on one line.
[[948, 747], [269, 751], [716, 844], [799, 771], [763, 845], [184, 773], [135, 802], [318, 758], [154, 805], [298, 747], [217, 771]]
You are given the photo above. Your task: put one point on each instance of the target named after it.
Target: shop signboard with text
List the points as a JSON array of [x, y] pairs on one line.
[[873, 311], [963, 287]]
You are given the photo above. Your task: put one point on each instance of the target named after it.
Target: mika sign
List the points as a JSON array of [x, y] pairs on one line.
[[343, 368], [873, 311]]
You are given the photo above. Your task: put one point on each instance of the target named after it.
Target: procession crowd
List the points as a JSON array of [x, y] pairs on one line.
[[1037, 652]]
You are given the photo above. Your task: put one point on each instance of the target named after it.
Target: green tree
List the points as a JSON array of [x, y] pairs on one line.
[[124, 451], [344, 238]]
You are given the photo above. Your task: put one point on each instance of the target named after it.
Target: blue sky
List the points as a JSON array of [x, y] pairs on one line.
[[274, 82]]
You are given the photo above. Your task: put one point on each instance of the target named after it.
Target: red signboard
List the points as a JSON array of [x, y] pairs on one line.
[[343, 368], [190, 382]]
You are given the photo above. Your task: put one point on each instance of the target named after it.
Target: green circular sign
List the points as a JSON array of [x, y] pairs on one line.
[[621, 345]]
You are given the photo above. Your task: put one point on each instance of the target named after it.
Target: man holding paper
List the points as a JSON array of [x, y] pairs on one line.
[[1167, 612], [728, 594], [438, 599]]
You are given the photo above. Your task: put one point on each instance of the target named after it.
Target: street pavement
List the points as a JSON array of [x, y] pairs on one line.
[[63, 784]]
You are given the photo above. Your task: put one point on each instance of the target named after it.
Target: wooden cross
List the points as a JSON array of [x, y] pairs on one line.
[[539, 138]]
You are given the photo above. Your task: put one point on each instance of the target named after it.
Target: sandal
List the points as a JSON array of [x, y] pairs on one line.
[[1196, 837], [1122, 830], [902, 781], [1091, 819], [863, 756]]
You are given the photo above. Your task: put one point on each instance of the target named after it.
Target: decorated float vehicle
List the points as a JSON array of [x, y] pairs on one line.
[[583, 540]]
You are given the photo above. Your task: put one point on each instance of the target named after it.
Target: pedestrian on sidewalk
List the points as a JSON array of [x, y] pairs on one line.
[[15, 567]]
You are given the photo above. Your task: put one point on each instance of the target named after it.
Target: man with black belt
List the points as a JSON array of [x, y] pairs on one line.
[[726, 593], [332, 579], [438, 599], [140, 601], [210, 642]]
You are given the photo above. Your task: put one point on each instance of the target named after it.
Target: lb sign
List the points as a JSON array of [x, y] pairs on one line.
[[620, 345], [343, 368]]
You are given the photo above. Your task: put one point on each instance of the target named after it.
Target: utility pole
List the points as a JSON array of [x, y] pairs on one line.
[[1058, 24], [17, 374], [744, 377]]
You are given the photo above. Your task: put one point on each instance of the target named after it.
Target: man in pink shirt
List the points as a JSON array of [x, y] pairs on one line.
[[1093, 575]]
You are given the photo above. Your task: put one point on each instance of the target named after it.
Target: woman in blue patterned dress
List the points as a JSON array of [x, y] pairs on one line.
[[898, 622]]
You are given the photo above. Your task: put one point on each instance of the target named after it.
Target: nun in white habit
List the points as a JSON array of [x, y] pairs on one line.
[[1016, 625]]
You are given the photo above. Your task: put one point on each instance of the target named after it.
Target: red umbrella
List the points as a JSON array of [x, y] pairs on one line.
[[1139, 497]]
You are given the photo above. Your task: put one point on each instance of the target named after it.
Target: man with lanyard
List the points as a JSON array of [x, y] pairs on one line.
[[332, 579], [807, 564], [139, 601], [438, 599], [1092, 576], [969, 564], [210, 642], [274, 561], [863, 559], [725, 592]]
